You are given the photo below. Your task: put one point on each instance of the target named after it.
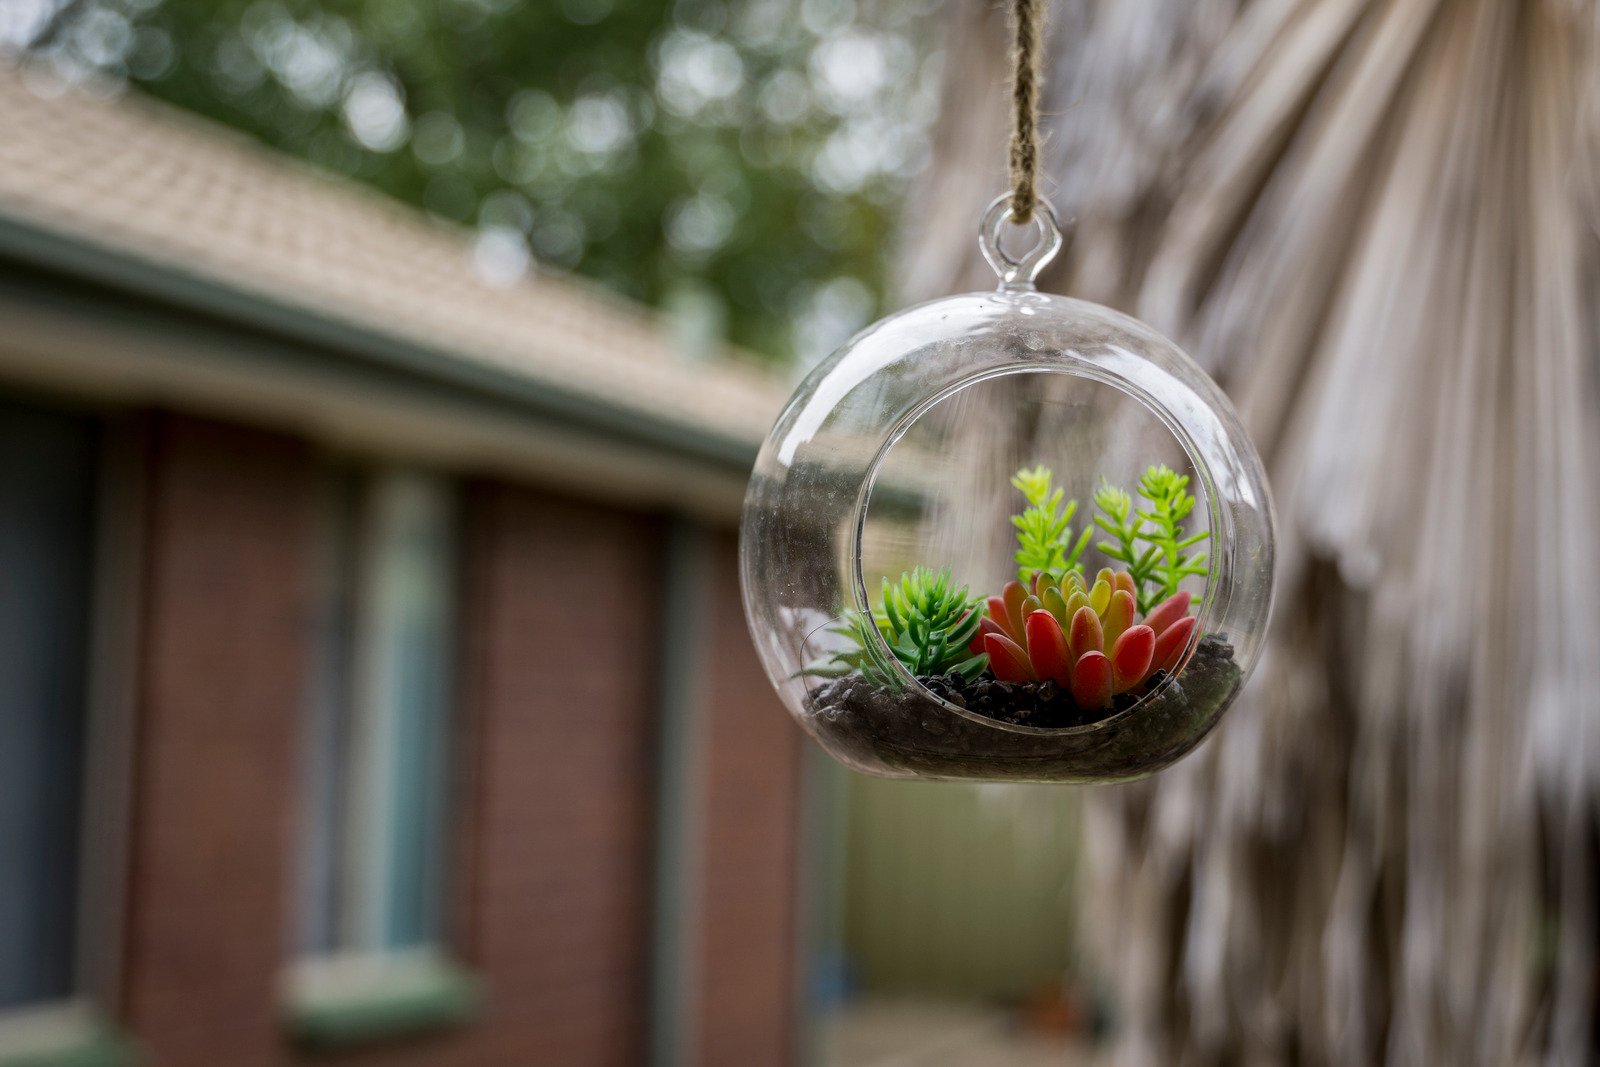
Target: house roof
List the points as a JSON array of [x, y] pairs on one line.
[[153, 209]]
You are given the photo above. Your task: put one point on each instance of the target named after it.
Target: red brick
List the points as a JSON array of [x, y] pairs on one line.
[[562, 635], [560, 631], [220, 698]]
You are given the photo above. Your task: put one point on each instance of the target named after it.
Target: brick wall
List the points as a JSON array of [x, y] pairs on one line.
[[228, 542], [560, 632], [562, 660], [748, 913]]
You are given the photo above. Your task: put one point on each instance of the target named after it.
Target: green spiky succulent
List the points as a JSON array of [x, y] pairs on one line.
[[926, 624]]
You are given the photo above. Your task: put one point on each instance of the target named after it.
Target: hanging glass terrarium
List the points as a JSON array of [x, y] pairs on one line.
[[1008, 536]]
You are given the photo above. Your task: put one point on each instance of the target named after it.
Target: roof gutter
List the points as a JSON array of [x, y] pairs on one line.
[[181, 293], [83, 318]]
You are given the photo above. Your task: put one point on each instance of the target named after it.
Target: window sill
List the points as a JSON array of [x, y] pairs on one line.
[[337, 1003], [66, 1036]]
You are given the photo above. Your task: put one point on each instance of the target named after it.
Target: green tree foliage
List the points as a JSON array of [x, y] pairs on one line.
[[740, 158]]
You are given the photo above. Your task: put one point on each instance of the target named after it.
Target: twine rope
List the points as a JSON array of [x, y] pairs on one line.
[[1026, 16]]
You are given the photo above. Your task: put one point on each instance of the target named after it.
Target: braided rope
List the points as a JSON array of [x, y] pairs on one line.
[[1024, 155]]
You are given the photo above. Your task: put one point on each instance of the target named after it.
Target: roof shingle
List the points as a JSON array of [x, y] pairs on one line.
[[131, 175]]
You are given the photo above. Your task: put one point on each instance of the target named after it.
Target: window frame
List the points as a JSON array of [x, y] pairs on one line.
[[76, 1028], [360, 989]]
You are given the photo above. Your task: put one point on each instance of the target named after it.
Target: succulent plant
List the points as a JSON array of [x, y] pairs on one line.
[[1096, 639], [1044, 529], [1089, 639], [1149, 539], [926, 623]]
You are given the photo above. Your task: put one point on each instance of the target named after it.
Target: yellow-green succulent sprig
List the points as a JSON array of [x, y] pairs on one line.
[[1044, 529]]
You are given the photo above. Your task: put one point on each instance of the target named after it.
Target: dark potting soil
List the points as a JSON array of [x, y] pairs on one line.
[[1044, 705], [902, 731]]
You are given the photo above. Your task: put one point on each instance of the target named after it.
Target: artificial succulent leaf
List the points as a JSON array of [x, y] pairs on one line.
[[1100, 596], [1044, 529], [971, 668], [925, 622], [1085, 634], [1000, 617], [1131, 657], [986, 625], [1118, 617], [966, 630], [1007, 659], [1092, 680], [1055, 605], [835, 666], [1033, 483], [1047, 648], [1168, 612], [1077, 549], [1171, 642], [1014, 593], [890, 608]]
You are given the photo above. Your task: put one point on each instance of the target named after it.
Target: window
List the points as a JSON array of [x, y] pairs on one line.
[[47, 488], [373, 870], [67, 594]]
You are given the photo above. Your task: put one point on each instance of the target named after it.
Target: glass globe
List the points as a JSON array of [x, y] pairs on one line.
[[961, 470]]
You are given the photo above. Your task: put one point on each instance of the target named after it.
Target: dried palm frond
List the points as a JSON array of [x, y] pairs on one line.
[[1375, 222]]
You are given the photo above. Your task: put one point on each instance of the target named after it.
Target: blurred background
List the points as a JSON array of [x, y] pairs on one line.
[[378, 383]]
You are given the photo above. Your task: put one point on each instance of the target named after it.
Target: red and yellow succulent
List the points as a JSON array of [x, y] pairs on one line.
[[1087, 638]]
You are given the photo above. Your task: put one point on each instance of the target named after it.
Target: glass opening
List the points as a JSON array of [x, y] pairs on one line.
[[1027, 491]]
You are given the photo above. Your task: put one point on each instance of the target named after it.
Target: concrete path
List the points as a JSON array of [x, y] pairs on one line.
[[921, 1034]]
